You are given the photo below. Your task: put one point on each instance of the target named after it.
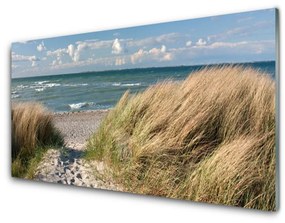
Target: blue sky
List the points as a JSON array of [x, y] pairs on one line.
[[241, 37]]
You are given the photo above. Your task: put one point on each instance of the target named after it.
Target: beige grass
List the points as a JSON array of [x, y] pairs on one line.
[[32, 130], [210, 138]]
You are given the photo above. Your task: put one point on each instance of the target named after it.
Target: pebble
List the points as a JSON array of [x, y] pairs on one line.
[[79, 176]]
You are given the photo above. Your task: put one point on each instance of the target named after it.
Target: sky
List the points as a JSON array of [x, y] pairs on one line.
[[240, 37]]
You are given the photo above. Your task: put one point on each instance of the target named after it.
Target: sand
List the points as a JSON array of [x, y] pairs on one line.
[[77, 127], [66, 165]]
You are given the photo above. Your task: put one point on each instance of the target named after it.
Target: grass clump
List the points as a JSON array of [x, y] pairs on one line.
[[210, 138], [33, 132]]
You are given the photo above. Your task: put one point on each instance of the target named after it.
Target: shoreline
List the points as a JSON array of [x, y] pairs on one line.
[[80, 111]]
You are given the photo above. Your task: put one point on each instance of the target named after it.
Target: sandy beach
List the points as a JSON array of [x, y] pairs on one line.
[[66, 165], [76, 127]]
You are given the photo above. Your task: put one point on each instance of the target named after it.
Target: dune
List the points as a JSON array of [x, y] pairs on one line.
[[209, 138], [32, 131]]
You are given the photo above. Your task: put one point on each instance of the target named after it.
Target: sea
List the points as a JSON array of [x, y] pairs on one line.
[[102, 90]]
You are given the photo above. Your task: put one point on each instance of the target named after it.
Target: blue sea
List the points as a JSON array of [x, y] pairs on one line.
[[101, 90]]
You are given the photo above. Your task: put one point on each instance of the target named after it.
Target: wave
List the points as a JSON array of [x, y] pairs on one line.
[[42, 85], [75, 85], [41, 82], [14, 92], [116, 84], [80, 105], [15, 96], [21, 86], [129, 85], [52, 85], [126, 85], [40, 89]]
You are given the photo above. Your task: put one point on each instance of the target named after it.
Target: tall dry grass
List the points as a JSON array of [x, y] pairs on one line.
[[210, 138], [32, 129]]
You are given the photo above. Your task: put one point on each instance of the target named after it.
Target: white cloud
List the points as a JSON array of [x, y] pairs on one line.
[[224, 51], [227, 44], [160, 54], [73, 52], [34, 64], [77, 52], [96, 44], [56, 62], [70, 50], [201, 42], [23, 58], [76, 56], [137, 56], [163, 49], [218, 45], [41, 47], [116, 47], [120, 61], [157, 54], [58, 52], [81, 46], [188, 43], [168, 57], [103, 61], [154, 51]]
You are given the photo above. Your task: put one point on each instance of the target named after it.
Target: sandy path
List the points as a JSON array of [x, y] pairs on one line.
[[66, 165], [78, 126]]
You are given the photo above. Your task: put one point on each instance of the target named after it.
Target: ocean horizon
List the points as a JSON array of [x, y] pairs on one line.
[[97, 90]]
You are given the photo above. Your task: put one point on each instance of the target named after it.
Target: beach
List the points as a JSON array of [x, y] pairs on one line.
[[175, 139], [66, 165], [77, 127]]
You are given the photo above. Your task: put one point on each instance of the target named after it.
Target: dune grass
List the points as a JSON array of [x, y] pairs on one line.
[[210, 138], [32, 133]]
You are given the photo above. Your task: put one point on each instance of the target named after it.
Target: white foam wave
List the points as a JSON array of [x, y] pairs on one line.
[[15, 96], [40, 89], [80, 105], [41, 82], [130, 85], [14, 92], [44, 85], [21, 86], [75, 85], [52, 85], [126, 85]]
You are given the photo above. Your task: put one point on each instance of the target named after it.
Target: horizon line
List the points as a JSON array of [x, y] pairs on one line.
[[158, 67]]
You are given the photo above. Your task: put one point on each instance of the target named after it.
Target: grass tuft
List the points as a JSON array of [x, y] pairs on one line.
[[32, 133], [210, 138]]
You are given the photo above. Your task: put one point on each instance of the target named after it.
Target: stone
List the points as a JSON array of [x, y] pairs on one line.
[[79, 176]]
